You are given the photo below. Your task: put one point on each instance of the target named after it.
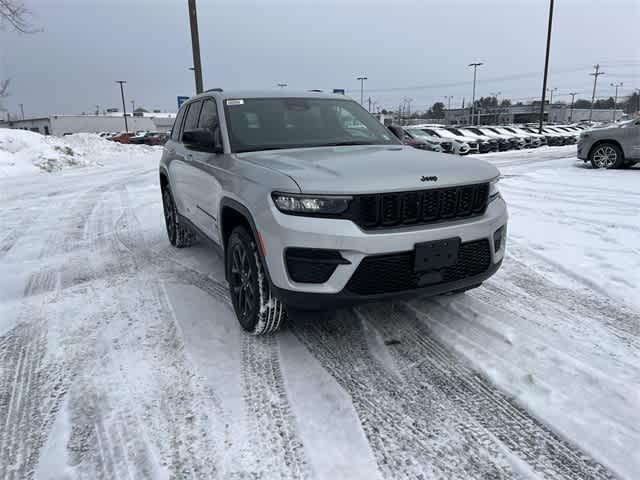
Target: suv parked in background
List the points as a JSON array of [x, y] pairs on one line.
[[612, 147], [316, 204], [414, 141], [461, 145]]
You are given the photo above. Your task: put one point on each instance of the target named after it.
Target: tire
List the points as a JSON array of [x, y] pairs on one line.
[[258, 311], [180, 235], [606, 155]]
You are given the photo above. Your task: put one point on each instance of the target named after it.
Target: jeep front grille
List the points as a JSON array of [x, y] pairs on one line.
[[389, 273], [387, 210]]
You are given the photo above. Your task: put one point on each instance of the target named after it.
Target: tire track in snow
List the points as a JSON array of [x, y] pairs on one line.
[[271, 422], [28, 216], [409, 425], [273, 426], [620, 320], [31, 392], [421, 358]]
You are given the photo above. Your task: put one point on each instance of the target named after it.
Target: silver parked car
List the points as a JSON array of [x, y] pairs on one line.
[[616, 146], [315, 204]]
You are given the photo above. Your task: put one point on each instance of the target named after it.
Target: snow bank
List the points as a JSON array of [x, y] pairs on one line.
[[23, 152]]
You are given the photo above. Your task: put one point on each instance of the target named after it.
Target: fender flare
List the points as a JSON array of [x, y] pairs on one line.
[[244, 211]]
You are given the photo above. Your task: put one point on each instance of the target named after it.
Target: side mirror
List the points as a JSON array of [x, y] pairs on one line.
[[204, 138], [198, 137]]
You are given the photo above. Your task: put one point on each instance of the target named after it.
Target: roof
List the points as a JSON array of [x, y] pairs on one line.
[[280, 93]]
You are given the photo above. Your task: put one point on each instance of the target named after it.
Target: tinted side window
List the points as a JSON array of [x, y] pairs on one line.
[[191, 121], [175, 131], [208, 115]]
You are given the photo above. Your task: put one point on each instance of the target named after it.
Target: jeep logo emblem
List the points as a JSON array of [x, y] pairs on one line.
[[429, 179]]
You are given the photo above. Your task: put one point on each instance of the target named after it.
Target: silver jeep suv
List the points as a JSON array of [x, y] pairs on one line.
[[616, 146], [315, 204]]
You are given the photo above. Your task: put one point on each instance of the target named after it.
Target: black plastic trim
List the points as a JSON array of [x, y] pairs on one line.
[[330, 301]]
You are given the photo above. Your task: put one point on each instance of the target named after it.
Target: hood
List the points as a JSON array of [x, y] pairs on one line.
[[371, 168]]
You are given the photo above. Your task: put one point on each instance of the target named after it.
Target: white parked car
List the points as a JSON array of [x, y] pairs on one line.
[[537, 140], [445, 145], [505, 142], [461, 145], [523, 141]]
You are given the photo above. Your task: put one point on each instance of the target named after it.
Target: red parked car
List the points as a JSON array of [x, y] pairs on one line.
[[122, 137]]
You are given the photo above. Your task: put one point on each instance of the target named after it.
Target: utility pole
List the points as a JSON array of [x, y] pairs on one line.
[[22, 110], [369, 105], [473, 96], [573, 96], [124, 106], [362, 79], [546, 65], [615, 102], [195, 45], [595, 75]]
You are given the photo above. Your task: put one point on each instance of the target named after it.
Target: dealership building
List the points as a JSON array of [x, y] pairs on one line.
[[557, 113], [60, 125]]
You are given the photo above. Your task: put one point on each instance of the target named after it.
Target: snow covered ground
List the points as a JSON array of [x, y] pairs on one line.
[[120, 356]]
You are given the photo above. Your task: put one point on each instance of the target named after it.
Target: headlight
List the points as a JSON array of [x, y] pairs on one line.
[[293, 203], [494, 192]]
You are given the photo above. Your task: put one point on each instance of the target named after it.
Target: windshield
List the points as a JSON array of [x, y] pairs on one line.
[[416, 132], [256, 124], [443, 133], [455, 132]]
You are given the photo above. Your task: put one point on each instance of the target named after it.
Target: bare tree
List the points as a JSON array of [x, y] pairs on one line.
[[16, 15]]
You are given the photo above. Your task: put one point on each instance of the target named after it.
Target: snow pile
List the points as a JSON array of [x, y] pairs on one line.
[[23, 152]]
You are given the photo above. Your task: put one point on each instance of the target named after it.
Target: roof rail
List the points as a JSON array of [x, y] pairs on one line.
[[214, 90]]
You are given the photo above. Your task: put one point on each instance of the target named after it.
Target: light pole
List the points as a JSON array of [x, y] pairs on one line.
[[22, 110], [195, 45], [408, 101], [362, 79], [573, 96], [595, 75], [546, 65], [448, 97], [473, 96], [496, 95], [124, 106], [615, 102], [282, 84]]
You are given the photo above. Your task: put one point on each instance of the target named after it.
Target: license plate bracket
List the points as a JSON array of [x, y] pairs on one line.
[[436, 255]]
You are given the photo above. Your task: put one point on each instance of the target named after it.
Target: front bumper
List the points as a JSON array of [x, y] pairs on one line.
[[326, 301], [583, 149], [280, 231]]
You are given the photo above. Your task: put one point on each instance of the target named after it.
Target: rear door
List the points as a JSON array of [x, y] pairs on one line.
[[206, 167], [180, 170]]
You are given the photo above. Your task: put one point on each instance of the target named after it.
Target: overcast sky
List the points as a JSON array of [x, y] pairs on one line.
[[408, 48]]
